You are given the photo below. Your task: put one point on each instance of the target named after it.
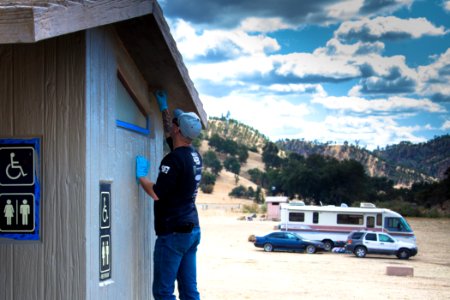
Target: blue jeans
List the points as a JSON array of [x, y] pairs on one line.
[[175, 258]]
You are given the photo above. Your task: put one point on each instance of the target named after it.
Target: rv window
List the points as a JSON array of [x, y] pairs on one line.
[[315, 217], [350, 219], [379, 219], [297, 217], [371, 237], [370, 222], [397, 224]]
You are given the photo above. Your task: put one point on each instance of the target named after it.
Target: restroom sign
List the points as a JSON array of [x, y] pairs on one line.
[[105, 249], [19, 188], [17, 165]]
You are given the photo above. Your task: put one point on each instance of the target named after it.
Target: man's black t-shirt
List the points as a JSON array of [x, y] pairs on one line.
[[177, 185]]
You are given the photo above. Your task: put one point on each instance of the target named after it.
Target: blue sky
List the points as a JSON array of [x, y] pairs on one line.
[[372, 71]]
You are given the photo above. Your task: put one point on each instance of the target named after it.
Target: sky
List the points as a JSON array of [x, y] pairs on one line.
[[369, 72]]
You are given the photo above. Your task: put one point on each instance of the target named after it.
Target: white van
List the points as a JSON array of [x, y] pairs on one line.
[[332, 224]]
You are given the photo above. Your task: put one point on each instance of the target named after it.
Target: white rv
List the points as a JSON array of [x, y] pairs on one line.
[[332, 224]]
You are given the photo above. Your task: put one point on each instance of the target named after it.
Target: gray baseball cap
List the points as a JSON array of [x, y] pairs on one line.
[[189, 123]]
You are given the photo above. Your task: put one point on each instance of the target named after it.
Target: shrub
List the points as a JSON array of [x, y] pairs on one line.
[[207, 188], [252, 208]]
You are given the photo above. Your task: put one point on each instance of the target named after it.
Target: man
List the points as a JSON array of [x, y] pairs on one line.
[[176, 218]]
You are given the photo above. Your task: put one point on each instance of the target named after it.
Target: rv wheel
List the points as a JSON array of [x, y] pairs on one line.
[[268, 247], [328, 245]]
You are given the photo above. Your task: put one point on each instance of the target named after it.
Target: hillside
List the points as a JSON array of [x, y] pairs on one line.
[[225, 182], [236, 131], [432, 158], [404, 164], [375, 166]]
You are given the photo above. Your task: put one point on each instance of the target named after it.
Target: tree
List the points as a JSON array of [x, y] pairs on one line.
[[232, 164], [270, 156], [207, 183], [211, 161]]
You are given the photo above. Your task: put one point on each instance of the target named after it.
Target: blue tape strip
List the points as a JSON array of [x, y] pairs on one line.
[[133, 127]]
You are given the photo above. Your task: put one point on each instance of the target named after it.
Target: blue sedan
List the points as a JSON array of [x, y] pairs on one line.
[[287, 241]]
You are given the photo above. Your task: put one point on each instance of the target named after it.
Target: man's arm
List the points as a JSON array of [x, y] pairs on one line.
[[161, 97], [142, 166], [147, 185]]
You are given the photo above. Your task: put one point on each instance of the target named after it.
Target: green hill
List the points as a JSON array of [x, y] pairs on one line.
[[405, 163]]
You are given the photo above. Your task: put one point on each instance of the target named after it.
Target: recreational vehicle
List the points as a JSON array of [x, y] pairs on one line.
[[332, 224]]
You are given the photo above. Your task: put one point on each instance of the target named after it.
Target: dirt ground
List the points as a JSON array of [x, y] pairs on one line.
[[230, 267]]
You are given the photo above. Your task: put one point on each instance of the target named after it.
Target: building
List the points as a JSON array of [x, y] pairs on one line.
[[77, 80], [273, 206]]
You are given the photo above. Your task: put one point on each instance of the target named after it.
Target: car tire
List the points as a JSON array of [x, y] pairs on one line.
[[310, 249], [403, 253], [360, 251], [328, 245], [268, 247]]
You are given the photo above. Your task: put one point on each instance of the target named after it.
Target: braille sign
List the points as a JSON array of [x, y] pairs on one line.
[[105, 232], [19, 188]]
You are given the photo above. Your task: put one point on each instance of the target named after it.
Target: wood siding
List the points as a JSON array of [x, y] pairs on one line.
[[42, 94], [111, 156]]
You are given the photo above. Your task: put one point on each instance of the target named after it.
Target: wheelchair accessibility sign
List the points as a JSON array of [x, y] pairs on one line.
[[16, 166], [20, 188]]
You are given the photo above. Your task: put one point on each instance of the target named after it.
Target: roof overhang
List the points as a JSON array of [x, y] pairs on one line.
[[140, 25]]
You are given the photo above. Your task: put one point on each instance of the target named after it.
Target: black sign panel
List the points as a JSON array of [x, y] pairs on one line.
[[16, 165], [105, 231], [18, 213], [19, 188]]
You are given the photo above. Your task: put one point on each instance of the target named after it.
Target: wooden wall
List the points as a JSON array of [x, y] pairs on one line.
[[42, 94], [63, 90], [110, 156]]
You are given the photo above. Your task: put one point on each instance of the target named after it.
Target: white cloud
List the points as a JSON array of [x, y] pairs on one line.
[[447, 5], [371, 131], [264, 25], [233, 69], [334, 47], [279, 119], [435, 77], [230, 43], [387, 28], [305, 65], [269, 114], [389, 105], [299, 88], [446, 125]]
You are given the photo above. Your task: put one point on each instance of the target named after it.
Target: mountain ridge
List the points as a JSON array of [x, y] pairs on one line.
[[405, 163]]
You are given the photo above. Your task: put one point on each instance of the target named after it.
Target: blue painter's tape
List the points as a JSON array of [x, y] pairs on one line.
[[133, 127]]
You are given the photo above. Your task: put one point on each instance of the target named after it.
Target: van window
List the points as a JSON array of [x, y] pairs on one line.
[[315, 217], [297, 217], [371, 237], [370, 222], [350, 219]]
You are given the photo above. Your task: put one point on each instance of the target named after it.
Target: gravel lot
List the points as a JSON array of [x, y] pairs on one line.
[[230, 267]]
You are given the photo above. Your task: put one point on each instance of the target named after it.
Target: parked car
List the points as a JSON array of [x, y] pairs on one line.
[[287, 241], [362, 243]]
